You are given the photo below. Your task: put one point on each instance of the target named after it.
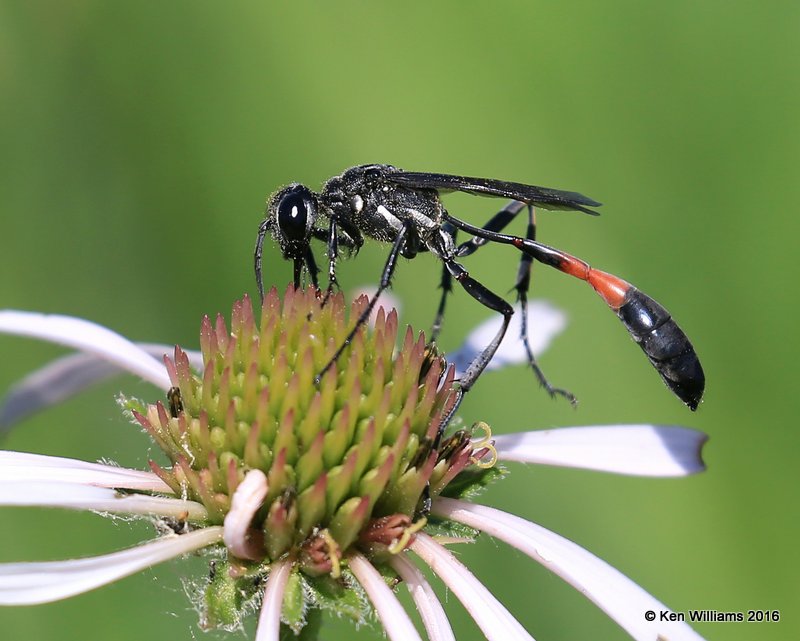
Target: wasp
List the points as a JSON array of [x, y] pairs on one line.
[[404, 210]]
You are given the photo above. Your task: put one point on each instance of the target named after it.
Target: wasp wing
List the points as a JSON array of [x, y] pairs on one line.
[[540, 196]]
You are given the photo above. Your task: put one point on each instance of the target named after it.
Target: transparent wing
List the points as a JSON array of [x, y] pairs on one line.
[[540, 196]]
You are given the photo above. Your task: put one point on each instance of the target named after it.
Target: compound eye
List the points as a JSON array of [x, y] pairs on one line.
[[296, 211]]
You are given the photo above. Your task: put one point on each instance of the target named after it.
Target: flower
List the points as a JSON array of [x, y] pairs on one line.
[[315, 497]]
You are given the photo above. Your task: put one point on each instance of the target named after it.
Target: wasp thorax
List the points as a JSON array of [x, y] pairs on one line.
[[350, 461]]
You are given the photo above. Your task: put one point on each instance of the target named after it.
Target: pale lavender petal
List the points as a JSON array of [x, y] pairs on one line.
[[642, 450], [54, 383], [23, 466], [395, 619], [492, 618], [31, 583], [87, 337], [243, 541], [74, 496], [545, 322], [608, 588], [428, 605], [269, 621], [65, 377]]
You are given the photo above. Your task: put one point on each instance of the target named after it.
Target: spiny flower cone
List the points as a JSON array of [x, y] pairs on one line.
[[352, 461]]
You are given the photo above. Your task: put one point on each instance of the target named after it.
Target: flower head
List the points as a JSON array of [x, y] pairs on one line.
[[311, 496]]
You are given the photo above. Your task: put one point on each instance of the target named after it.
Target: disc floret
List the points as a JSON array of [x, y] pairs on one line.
[[352, 461]]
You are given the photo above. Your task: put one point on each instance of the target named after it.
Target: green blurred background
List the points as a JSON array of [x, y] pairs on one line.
[[138, 142]]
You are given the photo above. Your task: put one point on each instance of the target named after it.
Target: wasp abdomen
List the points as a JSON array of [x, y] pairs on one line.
[[665, 345]]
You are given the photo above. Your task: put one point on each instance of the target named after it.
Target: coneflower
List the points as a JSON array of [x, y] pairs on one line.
[[320, 497]]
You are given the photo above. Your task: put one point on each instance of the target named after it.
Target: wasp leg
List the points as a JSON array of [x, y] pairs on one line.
[[522, 286], [386, 277], [333, 254], [262, 232], [489, 299], [494, 302], [337, 235], [496, 224], [311, 266], [446, 285]]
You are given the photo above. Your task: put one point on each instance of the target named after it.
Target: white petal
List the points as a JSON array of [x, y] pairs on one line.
[[74, 496], [395, 619], [545, 322], [608, 588], [246, 501], [30, 583], [87, 337], [65, 377], [428, 605], [642, 450], [494, 620], [269, 621], [22, 466]]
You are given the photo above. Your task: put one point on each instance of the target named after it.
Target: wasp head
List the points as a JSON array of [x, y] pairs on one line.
[[291, 213]]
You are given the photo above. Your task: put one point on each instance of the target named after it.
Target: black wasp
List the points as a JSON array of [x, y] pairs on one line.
[[403, 208]]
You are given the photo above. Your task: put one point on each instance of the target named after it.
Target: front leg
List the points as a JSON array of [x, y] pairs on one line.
[[388, 271], [263, 228], [339, 234], [333, 254], [311, 266]]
